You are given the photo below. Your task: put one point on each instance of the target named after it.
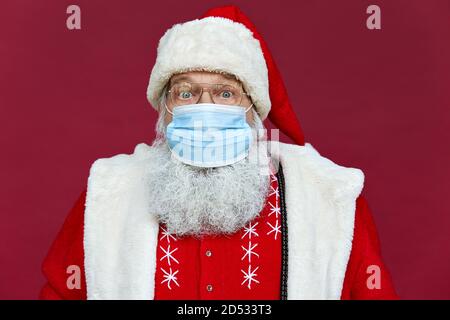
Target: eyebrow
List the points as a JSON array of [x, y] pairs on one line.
[[179, 78], [231, 78]]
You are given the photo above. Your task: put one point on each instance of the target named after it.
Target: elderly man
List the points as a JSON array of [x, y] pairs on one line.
[[212, 210]]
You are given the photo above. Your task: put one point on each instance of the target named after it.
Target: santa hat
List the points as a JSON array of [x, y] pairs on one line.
[[225, 40]]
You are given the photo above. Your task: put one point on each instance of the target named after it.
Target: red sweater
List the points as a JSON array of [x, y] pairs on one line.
[[246, 265]]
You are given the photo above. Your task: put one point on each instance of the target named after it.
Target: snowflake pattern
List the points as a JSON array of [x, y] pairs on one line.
[[168, 258], [250, 230], [274, 191], [274, 209], [169, 277], [274, 229], [249, 276], [168, 254], [166, 235], [250, 244], [249, 251]]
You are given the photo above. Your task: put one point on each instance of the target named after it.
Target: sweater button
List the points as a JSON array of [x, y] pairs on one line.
[[209, 288], [208, 253]]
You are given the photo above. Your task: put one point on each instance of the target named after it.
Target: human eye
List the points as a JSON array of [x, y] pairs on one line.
[[226, 94], [184, 92], [184, 95]]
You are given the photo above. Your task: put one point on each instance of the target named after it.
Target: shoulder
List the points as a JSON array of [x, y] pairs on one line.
[[124, 160], [307, 157], [117, 169], [306, 164]]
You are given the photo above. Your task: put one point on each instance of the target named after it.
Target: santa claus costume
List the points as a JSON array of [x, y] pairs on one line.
[[314, 239]]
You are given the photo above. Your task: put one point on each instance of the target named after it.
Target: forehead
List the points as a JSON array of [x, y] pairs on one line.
[[205, 77]]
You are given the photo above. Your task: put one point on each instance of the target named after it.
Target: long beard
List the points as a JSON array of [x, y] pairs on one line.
[[197, 201]]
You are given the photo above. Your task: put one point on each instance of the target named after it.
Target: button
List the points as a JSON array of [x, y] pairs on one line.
[[208, 253], [209, 287]]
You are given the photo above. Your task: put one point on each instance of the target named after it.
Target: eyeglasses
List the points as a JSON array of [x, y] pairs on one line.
[[184, 93]]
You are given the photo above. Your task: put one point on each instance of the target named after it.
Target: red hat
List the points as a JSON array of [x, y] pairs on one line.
[[225, 40]]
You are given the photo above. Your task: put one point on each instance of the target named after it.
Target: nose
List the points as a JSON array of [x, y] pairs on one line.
[[205, 97]]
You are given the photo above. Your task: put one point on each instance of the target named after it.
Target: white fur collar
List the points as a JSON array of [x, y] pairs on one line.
[[120, 235]]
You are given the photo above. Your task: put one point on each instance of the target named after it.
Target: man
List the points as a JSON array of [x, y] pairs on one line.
[[210, 210]]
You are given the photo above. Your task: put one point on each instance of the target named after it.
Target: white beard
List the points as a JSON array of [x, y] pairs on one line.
[[198, 201]]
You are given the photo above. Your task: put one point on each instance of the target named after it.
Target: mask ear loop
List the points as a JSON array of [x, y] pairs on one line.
[[165, 105], [248, 108]]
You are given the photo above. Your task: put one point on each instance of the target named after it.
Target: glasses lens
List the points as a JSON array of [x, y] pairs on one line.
[[184, 93], [226, 94]]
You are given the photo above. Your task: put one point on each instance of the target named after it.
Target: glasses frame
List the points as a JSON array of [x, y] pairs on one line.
[[202, 90]]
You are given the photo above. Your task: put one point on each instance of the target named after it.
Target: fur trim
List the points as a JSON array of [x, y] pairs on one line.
[[121, 235], [119, 262], [213, 44], [320, 204]]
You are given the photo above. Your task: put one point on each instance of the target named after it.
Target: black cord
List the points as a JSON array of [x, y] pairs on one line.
[[284, 234]]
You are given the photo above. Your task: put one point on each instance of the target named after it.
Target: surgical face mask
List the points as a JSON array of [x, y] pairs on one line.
[[208, 134]]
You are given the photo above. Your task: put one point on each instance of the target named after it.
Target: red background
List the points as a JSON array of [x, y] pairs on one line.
[[373, 99]]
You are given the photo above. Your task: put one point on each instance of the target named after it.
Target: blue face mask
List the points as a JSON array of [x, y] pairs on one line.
[[208, 134]]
